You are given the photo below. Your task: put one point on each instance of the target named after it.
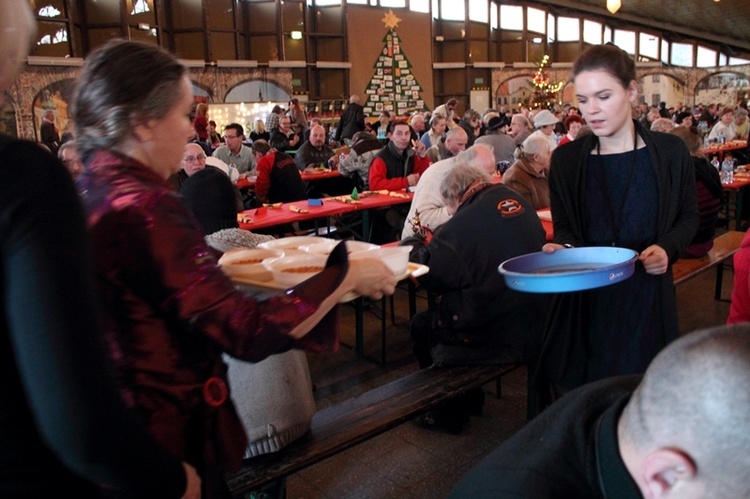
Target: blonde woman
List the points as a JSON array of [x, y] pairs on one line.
[[259, 132]]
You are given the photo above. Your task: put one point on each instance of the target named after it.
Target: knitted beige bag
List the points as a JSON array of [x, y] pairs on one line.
[[273, 398]]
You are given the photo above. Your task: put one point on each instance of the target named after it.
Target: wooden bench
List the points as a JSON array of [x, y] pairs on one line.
[[360, 418], [724, 247]]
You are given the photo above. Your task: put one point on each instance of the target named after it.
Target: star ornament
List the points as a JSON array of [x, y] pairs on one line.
[[390, 20]]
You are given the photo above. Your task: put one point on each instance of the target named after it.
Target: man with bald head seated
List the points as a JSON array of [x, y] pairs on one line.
[[427, 198], [681, 431], [455, 142], [314, 152]]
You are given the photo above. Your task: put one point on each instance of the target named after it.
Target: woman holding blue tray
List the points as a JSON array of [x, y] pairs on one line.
[[622, 186]]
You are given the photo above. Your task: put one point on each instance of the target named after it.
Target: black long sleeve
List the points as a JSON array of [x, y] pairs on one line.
[[60, 409]]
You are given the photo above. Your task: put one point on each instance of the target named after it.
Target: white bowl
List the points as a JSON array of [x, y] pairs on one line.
[[287, 244], [326, 247], [288, 270], [248, 263], [396, 258]]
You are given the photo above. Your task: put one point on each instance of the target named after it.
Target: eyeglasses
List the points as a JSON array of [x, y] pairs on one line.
[[190, 159], [227, 137], [68, 162]]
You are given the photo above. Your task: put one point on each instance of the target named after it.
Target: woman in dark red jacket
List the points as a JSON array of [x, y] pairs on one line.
[[170, 312]]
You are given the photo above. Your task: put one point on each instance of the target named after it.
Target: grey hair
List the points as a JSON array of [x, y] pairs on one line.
[[521, 119], [458, 180], [16, 36], [71, 144], [435, 118], [534, 144], [662, 125], [123, 84], [471, 155]]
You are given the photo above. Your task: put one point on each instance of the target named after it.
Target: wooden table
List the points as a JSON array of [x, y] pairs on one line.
[[307, 176], [720, 149], [330, 208]]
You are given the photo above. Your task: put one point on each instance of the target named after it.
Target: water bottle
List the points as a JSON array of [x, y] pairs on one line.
[[722, 138], [715, 164], [727, 171]]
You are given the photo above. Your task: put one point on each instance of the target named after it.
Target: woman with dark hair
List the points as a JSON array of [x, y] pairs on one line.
[[169, 310], [298, 116], [64, 424], [621, 186]]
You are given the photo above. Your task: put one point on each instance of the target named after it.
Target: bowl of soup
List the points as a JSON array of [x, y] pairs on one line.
[[396, 258], [247, 263], [291, 244], [291, 270], [325, 247]]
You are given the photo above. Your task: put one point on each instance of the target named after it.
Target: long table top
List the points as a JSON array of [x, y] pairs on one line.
[[307, 176], [732, 145], [298, 211]]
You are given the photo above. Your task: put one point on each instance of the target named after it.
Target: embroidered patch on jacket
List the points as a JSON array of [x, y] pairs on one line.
[[510, 208]]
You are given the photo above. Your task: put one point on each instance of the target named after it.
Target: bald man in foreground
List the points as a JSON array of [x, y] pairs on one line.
[[682, 431]]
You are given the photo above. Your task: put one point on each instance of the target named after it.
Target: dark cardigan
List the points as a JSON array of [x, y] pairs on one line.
[[677, 216]]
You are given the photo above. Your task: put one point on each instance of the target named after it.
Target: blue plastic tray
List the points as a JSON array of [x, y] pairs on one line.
[[572, 269]]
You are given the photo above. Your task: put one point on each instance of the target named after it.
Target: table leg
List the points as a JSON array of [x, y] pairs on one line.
[[738, 206], [359, 345], [366, 235], [412, 298]]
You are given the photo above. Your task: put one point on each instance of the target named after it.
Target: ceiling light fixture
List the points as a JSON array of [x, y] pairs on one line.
[[613, 5]]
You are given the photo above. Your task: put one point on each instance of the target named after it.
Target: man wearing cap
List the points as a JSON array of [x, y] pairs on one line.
[[502, 144], [545, 122]]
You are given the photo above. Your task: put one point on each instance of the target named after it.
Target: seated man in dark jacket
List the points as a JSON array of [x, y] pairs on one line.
[[474, 318], [683, 431]]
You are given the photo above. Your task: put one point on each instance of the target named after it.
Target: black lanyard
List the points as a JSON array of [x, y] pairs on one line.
[[615, 217]]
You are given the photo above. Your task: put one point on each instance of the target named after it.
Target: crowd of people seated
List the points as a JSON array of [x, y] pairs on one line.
[[155, 316]]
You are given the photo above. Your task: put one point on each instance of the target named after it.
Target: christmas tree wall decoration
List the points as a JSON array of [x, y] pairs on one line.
[[545, 91], [393, 87]]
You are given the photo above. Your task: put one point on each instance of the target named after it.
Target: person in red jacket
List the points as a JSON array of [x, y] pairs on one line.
[[399, 164]]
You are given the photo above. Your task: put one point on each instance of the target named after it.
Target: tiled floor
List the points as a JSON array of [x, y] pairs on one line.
[[411, 462]]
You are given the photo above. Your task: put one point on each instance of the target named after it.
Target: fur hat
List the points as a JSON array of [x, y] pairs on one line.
[[544, 118]]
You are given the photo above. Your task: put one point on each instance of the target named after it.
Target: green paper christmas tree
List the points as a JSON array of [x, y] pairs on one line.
[[393, 87]]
